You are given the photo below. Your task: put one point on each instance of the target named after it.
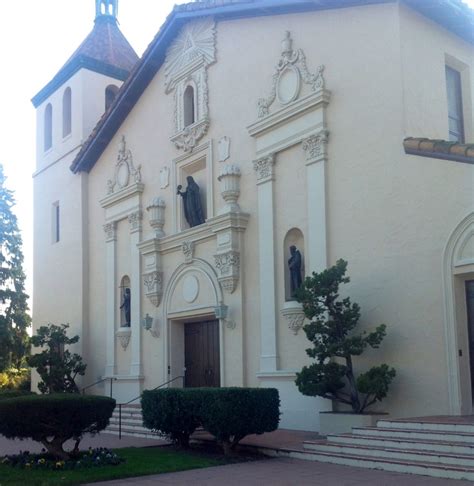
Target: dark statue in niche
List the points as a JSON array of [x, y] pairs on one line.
[[126, 306], [294, 265], [192, 203]]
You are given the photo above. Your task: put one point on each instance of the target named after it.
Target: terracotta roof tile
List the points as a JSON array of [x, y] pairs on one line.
[[440, 149]]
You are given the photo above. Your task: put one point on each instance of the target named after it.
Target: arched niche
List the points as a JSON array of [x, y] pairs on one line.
[[458, 268], [125, 301], [189, 105], [294, 237]]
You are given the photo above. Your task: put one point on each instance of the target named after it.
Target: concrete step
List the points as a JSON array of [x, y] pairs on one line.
[[133, 432], [431, 435], [441, 446], [392, 453], [131, 420], [427, 425], [357, 460]]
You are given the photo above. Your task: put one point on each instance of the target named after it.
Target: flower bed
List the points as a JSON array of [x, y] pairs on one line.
[[87, 459]]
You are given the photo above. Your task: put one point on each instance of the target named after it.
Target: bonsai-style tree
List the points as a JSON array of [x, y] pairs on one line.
[[331, 331], [56, 366], [55, 419], [14, 318]]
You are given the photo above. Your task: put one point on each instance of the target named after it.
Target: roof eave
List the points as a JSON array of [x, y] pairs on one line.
[[81, 62]]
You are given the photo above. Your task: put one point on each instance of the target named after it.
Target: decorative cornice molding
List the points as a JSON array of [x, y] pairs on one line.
[[264, 168], [126, 193]]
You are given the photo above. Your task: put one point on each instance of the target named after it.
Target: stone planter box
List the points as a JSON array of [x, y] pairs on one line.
[[342, 422]]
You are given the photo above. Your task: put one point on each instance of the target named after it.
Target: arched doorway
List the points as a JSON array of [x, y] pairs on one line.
[[459, 315], [193, 335]]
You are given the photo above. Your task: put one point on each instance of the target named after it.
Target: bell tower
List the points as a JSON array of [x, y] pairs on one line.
[[106, 8]]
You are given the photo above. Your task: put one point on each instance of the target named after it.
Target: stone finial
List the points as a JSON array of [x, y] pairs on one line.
[[229, 178], [156, 213]]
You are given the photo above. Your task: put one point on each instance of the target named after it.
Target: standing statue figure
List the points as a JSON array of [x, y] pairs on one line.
[[126, 306], [192, 203], [294, 264]]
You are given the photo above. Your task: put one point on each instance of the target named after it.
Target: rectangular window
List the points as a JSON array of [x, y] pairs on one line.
[[455, 114], [56, 222]]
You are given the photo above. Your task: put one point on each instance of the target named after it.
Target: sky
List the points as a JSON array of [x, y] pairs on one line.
[[36, 38]]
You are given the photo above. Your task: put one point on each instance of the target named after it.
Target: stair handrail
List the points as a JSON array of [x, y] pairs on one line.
[[139, 396], [100, 381]]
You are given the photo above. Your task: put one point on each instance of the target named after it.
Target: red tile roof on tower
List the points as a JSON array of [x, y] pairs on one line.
[[104, 50]]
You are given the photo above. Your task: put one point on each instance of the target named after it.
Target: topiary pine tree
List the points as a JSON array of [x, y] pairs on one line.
[[331, 332], [56, 365], [14, 318]]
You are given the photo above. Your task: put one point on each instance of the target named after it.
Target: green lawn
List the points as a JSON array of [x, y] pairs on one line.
[[139, 462]]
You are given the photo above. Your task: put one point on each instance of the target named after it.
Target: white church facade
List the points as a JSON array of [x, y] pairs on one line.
[[295, 121]]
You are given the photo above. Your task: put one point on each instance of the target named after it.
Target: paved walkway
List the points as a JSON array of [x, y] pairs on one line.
[[285, 472]]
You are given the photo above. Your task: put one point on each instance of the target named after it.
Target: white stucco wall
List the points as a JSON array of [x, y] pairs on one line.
[[388, 214]]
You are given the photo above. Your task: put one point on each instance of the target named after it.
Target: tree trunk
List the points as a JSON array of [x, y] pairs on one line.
[[355, 402], [55, 448]]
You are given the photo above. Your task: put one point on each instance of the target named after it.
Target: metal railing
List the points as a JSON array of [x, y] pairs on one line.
[[100, 381], [139, 396]]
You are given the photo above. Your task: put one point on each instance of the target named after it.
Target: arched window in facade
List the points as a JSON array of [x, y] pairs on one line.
[[48, 127], [67, 112], [110, 94], [188, 106], [125, 301]]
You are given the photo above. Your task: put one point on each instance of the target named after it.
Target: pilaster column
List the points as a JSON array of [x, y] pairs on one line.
[[264, 169], [111, 295], [315, 149], [135, 221]]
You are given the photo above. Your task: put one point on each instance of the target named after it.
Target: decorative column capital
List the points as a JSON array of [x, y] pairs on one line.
[[135, 221], [264, 168], [315, 147], [153, 282], [110, 231], [228, 266]]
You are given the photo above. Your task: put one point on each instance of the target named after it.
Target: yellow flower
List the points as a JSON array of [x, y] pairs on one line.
[[59, 464], [27, 464]]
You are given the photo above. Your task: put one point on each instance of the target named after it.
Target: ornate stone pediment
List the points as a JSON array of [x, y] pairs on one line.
[[290, 72], [187, 60], [125, 171]]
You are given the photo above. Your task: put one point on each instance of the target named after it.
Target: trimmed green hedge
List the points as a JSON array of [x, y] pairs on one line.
[[174, 412], [6, 394], [232, 413], [227, 413], [54, 419]]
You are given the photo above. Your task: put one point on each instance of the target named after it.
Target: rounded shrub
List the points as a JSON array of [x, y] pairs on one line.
[[227, 413], [232, 413], [54, 419], [174, 412]]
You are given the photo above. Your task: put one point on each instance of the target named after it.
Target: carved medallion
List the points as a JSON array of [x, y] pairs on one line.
[[190, 289], [125, 171]]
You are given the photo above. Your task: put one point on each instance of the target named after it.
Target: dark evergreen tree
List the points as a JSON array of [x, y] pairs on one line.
[[56, 366], [14, 318], [335, 343]]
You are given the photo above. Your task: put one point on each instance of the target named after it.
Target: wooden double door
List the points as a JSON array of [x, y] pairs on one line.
[[201, 354]]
